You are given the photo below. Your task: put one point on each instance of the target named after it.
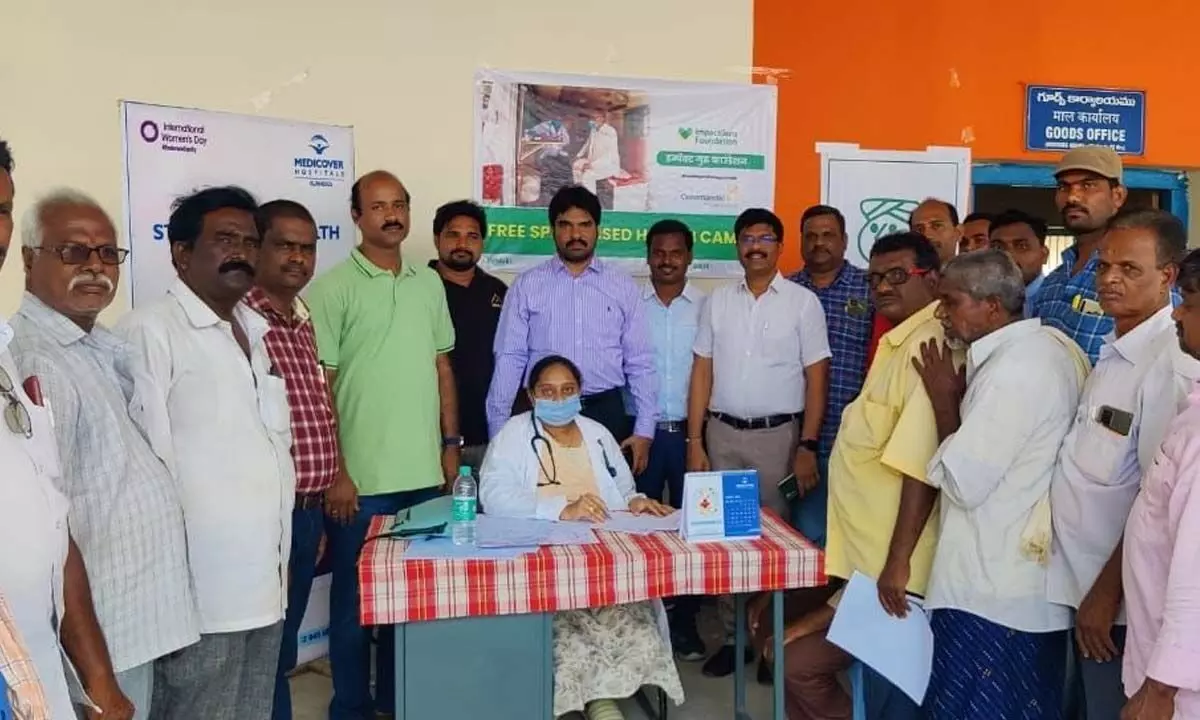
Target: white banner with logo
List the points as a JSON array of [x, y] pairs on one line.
[[171, 152], [877, 190], [650, 149]]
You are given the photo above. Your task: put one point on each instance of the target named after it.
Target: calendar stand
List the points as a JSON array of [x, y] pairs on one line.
[[721, 506]]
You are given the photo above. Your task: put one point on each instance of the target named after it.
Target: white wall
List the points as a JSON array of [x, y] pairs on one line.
[[399, 71]]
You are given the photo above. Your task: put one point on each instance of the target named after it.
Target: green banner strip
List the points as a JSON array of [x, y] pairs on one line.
[[526, 231], [723, 161]]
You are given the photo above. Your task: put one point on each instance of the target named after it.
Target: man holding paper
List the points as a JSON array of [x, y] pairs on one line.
[[998, 640], [879, 501]]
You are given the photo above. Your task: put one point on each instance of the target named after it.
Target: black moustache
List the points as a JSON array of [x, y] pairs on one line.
[[393, 226], [293, 268], [236, 265]]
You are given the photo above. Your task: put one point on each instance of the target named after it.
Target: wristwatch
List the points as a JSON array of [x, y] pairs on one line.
[[811, 445], [452, 442]]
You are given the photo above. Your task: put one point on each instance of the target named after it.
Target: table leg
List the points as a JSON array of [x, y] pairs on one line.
[[739, 664], [777, 641]]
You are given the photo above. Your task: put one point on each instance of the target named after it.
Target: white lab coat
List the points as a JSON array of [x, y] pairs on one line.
[[603, 151], [509, 476]]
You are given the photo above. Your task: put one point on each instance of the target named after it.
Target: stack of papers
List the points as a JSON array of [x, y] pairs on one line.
[[900, 649], [502, 532], [443, 548], [627, 522]]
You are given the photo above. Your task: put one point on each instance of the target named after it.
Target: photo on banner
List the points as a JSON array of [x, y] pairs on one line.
[[649, 149], [170, 152], [877, 190]]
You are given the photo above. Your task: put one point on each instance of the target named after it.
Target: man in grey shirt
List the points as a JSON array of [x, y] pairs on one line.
[[125, 512]]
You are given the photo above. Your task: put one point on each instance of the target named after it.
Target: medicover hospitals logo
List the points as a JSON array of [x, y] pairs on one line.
[[320, 167], [882, 216]]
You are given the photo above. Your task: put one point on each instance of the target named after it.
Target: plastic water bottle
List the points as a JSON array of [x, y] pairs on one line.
[[466, 501]]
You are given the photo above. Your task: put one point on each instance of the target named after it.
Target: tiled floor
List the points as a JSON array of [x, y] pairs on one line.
[[705, 698]]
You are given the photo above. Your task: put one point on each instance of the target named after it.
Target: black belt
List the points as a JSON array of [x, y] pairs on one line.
[[308, 501], [672, 426], [758, 423], [604, 396]]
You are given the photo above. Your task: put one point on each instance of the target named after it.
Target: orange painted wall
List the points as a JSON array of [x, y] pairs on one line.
[[905, 74]]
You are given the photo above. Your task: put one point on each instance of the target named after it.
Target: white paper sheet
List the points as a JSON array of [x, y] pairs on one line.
[[901, 650], [499, 532], [627, 522], [444, 548]]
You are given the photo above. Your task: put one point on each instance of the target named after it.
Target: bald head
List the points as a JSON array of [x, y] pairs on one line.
[[379, 204], [937, 220]]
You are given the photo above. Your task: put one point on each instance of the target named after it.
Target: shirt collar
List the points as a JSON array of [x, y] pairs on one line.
[[372, 270], [776, 283], [61, 329], [844, 275], [899, 334], [595, 265], [6, 334], [1035, 285], [690, 293], [983, 348], [1137, 345], [258, 301], [201, 315]]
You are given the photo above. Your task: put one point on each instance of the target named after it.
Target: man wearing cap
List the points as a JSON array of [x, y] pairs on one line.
[[1089, 193]]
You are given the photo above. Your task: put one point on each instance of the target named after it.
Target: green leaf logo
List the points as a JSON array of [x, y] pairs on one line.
[[685, 132]]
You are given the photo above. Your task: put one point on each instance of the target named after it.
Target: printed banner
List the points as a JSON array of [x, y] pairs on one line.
[[650, 149], [877, 190], [171, 152]]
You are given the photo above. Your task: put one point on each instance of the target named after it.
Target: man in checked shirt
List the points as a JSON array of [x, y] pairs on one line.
[[285, 265], [21, 695]]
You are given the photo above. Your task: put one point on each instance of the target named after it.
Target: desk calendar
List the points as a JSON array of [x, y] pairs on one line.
[[720, 506]]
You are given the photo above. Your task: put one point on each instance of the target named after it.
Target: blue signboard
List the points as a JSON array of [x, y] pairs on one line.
[[1060, 118]]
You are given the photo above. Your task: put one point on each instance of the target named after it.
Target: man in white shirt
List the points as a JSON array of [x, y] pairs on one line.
[[760, 378], [215, 410], [125, 513], [42, 575], [1000, 422], [600, 156], [1138, 385]]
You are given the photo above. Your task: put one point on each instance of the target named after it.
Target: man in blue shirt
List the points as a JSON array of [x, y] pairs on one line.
[[672, 306], [1089, 193], [1023, 237], [845, 297]]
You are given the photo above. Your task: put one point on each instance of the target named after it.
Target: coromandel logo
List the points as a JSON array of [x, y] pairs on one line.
[[882, 216]]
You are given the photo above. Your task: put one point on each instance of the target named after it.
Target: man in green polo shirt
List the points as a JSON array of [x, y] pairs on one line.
[[384, 336]]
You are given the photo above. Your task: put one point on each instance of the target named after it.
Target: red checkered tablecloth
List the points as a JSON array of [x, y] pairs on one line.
[[620, 568]]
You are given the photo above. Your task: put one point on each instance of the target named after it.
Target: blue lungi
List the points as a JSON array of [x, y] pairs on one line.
[[985, 671]]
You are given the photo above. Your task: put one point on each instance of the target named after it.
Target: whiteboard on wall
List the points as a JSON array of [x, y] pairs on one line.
[[876, 190], [171, 152]]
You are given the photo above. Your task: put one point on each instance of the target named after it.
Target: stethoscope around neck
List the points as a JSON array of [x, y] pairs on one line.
[[552, 475]]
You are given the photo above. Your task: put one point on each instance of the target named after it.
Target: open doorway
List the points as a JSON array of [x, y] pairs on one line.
[[1030, 188]]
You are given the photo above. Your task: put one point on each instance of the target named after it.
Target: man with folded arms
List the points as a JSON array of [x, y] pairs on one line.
[[1000, 427], [125, 509]]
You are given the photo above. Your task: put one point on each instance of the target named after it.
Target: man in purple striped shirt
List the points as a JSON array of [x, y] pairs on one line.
[[586, 310]]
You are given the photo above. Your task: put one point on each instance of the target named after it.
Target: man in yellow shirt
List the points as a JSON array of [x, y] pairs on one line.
[[879, 503]]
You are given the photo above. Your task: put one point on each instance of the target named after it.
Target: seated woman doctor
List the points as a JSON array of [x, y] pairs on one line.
[[557, 465]]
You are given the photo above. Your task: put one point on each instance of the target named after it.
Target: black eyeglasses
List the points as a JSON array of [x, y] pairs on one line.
[[74, 254], [895, 277], [15, 415]]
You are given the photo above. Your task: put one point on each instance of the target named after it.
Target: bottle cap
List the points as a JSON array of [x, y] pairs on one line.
[[464, 470]]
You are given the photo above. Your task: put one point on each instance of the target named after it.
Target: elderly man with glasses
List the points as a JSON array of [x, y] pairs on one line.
[[41, 570], [125, 512]]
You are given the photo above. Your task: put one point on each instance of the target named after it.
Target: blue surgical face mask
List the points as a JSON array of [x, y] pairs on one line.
[[557, 413]]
